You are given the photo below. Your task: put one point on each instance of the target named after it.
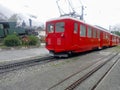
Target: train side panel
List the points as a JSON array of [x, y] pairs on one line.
[[68, 35]]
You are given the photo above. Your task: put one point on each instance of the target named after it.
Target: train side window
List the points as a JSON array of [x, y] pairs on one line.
[[75, 27], [112, 38], [1, 26], [82, 30], [50, 28], [107, 36], [89, 32], [98, 34], [59, 27], [94, 33], [103, 35]]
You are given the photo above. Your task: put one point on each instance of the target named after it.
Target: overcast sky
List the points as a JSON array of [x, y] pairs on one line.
[[98, 12]]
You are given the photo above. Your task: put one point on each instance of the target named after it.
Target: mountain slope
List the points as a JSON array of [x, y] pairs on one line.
[[5, 13], [3, 17], [9, 15]]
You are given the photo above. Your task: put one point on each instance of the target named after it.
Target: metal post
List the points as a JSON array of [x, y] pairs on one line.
[[82, 15]]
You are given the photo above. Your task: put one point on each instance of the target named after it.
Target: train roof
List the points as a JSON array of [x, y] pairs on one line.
[[65, 17], [68, 17], [114, 35], [101, 28]]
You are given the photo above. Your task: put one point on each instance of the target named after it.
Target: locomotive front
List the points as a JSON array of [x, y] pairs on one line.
[[55, 37]]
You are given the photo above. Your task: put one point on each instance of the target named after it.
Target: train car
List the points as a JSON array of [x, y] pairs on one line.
[[105, 39], [3, 29], [7, 28], [66, 35], [115, 40]]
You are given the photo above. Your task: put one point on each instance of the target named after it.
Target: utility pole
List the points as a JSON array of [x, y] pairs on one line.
[[59, 7], [82, 15], [72, 13]]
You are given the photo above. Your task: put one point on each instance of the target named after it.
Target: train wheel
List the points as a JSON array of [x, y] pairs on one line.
[[70, 54]]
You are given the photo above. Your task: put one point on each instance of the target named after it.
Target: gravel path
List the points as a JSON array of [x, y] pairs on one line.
[[42, 77], [112, 80], [17, 55]]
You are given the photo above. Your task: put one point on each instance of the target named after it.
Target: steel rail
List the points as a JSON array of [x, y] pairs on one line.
[[93, 88], [17, 65], [21, 64], [77, 73], [90, 73]]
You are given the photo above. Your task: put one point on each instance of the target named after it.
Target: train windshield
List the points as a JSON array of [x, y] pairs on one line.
[[50, 28], [59, 27]]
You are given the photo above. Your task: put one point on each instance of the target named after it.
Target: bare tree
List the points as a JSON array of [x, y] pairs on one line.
[[115, 29]]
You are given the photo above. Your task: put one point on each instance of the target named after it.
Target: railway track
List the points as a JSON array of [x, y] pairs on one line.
[[76, 83], [27, 63], [90, 73]]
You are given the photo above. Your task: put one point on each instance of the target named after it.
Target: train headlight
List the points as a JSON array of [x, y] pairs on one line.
[[62, 35]]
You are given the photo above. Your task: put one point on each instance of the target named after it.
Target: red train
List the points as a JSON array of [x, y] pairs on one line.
[[67, 35]]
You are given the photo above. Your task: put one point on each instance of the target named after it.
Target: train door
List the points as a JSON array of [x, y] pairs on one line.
[[75, 36], [4, 29], [99, 40], [50, 36], [90, 40], [60, 36], [1, 30], [82, 39]]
